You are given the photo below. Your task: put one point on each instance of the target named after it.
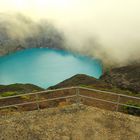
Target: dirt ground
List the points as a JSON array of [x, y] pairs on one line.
[[70, 123]]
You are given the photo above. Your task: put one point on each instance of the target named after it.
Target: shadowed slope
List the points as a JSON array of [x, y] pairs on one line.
[[127, 77], [81, 80]]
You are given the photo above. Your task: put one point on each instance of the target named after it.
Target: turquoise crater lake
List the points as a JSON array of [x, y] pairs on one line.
[[45, 67]]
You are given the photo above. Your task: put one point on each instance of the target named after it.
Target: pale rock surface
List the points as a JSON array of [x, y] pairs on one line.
[[70, 123]]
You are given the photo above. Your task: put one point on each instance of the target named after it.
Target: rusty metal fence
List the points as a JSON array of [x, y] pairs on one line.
[[79, 95]]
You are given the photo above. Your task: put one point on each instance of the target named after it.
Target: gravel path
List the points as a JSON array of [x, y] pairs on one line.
[[70, 123]]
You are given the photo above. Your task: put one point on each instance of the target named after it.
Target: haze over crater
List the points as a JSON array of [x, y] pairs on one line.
[[105, 29]]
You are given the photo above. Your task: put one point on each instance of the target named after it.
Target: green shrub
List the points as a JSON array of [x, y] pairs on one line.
[[132, 110], [25, 97], [9, 93]]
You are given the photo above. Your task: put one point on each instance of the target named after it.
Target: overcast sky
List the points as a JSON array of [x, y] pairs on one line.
[[113, 24]]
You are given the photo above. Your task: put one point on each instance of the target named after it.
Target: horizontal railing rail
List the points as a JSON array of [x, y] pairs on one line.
[[108, 92], [34, 93], [77, 95], [39, 101], [116, 103]]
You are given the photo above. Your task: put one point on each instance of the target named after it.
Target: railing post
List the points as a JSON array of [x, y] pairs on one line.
[[37, 104], [77, 96], [118, 101]]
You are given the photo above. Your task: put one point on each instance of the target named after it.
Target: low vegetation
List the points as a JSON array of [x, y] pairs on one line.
[[132, 110], [15, 89], [9, 93]]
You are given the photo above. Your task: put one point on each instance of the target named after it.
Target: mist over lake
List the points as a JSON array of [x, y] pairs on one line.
[[45, 67]]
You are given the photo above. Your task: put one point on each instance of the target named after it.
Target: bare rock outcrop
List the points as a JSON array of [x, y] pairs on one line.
[[127, 77]]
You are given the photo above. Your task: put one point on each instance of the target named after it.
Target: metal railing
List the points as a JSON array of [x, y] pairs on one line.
[[117, 103], [77, 95]]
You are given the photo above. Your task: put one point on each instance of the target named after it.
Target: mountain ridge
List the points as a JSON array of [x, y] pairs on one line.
[[80, 80], [13, 89], [124, 78]]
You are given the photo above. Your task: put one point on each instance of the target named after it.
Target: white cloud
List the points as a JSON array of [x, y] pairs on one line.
[[112, 26]]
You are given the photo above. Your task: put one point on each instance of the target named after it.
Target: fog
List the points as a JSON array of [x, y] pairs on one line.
[[105, 29]]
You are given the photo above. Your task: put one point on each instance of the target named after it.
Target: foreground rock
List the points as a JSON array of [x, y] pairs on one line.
[[70, 123]]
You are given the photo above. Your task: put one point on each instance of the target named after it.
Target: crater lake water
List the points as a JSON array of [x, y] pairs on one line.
[[45, 67]]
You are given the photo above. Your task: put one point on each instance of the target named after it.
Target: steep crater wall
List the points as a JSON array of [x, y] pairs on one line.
[[19, 32]]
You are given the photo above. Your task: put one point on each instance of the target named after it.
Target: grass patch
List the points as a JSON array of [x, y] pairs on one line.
[[25, 97], [9, 93]]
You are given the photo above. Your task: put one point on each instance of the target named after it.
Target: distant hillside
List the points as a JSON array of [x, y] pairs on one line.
[[127, 77], [118, 80], [124, 80], [18, 89], [81, 80]]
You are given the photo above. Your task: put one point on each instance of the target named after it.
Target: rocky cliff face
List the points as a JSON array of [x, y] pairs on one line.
[[127, 77]]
